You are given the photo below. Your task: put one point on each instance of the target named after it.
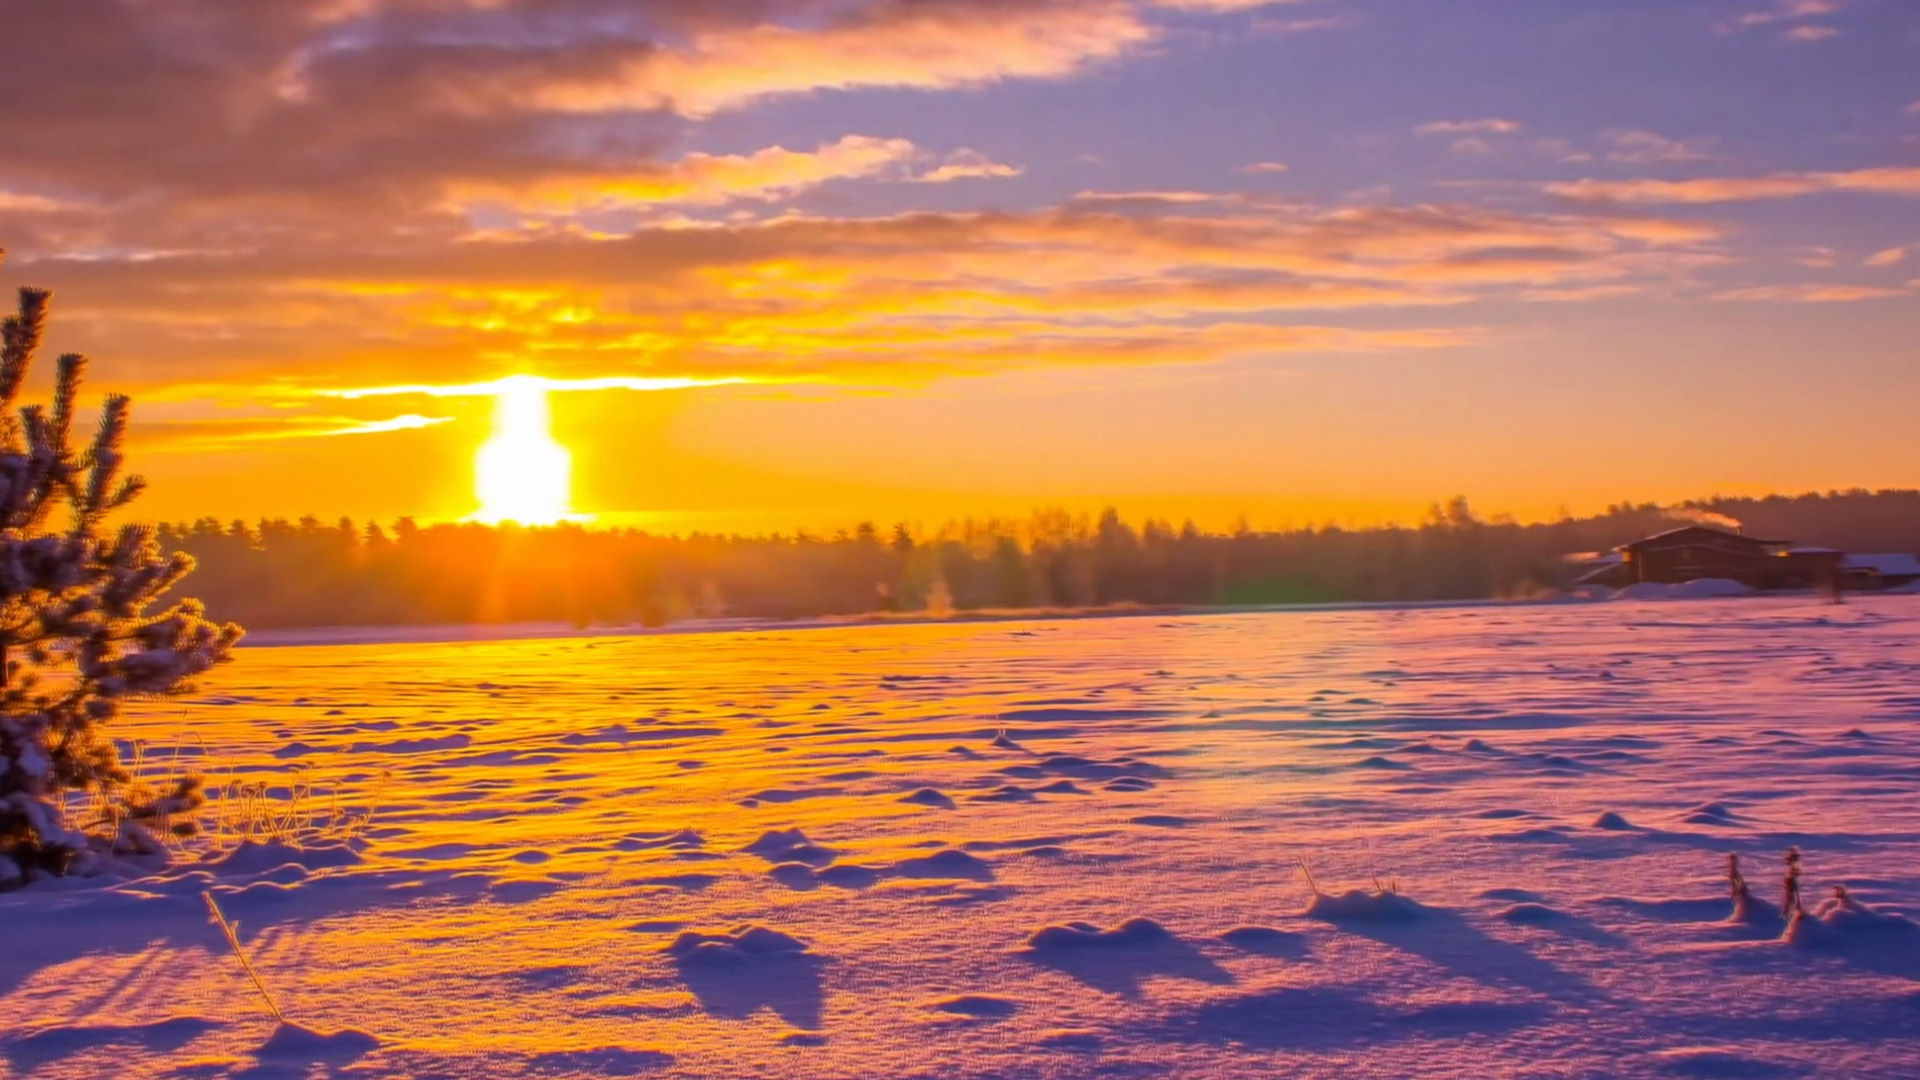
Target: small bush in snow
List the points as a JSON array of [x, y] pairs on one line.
[[76, 639], [1790, 904], [1383, 904], [1748, 909]]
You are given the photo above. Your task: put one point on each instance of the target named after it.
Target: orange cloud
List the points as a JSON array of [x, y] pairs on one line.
[[25, 202], [939, 44], [1105, 278], [1780, 11], [1221, 5], [698, 178], [1809, 34], [1491, 126], [1879, 181], [1584, 293], [1640, 147], [969, 165], [1812, 294], [215, 434], [495, 386]]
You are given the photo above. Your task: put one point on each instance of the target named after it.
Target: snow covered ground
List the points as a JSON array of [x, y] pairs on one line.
[[1040, 849]]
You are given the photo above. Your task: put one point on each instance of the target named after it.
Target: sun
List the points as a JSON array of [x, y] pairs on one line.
[[521, 474]]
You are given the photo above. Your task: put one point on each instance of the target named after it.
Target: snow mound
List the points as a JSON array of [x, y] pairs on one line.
[[1082, 935], [979, 1006], [1718, 1063], [1359, 905], [1530, 914], [1841, 922], [1711, 814], [1085, 768], [1710, 587], [794, 875], [601, 1061], [947, 863], [1751, 911], [776, 840], [1083, 1040], [789, 845], [848, 876], [684, 840], [259, 856], [927, 796], [1697, 589], [291, 1041], [743, 945], [1264, 940], [1007, 793], [803, 1038]]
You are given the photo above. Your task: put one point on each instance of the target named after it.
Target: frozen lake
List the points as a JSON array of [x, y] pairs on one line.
[[500, 846]]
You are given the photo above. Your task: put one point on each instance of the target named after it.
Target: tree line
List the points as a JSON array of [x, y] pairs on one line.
[[310, 573]]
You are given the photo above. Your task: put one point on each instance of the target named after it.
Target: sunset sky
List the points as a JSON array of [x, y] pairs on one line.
[[1300, 260]]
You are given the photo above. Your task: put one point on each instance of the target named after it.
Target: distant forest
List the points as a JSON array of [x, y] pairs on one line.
[[308, 573]]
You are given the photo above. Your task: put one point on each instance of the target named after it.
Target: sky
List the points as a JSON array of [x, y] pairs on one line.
[[1295, 260]]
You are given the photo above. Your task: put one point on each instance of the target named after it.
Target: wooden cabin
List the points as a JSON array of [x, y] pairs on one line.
[[1692, 552]]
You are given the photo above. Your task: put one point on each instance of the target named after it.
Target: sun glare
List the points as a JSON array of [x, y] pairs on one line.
[[521, 474]]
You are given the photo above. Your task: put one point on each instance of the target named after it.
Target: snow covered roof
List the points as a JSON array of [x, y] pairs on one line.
[[1898, 564], [1665, 533], [1709, 530]]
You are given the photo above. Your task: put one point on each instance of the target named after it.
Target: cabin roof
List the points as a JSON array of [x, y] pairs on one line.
[[1705, 531]]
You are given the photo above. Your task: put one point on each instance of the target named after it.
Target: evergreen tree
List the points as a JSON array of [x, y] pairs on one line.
[[76, 639]]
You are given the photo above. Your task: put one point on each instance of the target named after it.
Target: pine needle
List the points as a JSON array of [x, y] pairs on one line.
[[232, 930]]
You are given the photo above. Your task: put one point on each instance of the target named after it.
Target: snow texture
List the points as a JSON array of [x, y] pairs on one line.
[[1516, 819]]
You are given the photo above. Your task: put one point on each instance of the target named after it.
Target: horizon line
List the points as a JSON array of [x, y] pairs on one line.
[[609, 521]]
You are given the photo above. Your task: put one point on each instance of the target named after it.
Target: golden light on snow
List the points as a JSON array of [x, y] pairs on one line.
[[521, 474]]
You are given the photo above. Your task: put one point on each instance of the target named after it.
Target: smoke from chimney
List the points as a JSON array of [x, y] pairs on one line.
[[1693, 515]]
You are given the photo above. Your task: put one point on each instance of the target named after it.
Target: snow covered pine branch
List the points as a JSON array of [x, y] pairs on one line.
[[76, 638]]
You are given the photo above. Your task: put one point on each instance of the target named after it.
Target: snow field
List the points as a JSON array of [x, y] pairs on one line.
[[1066, 849]]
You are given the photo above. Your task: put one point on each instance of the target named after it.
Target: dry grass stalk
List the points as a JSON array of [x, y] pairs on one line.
[[232, 930]]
